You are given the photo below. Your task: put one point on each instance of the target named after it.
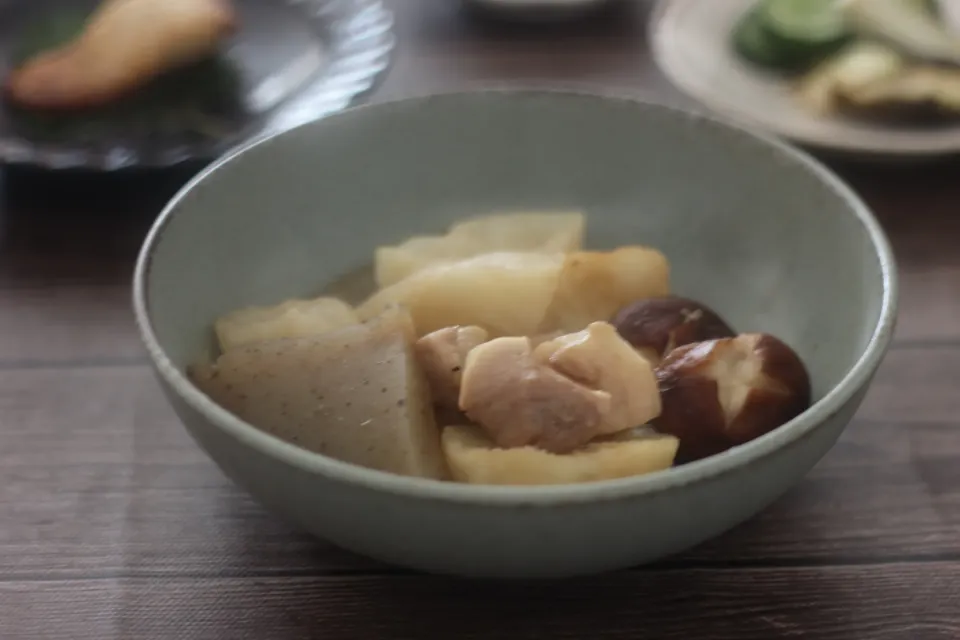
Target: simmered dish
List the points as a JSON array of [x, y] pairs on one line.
[[504, 353], [891, 60]]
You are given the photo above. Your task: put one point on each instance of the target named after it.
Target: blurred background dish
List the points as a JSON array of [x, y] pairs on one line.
[[290, 61], [692, 43]]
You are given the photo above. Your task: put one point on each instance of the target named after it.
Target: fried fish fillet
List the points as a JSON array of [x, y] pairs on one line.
[[125, 44]]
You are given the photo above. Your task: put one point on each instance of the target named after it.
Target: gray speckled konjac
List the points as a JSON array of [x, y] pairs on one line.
[[753, 228]]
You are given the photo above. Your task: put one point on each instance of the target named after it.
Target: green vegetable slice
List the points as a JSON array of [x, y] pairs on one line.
[[791, 35], [805, 23], [750, 40], [932, 7]]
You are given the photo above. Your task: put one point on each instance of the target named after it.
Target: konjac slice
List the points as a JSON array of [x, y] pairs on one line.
[[474, 459], [290, 319], [519, 232], [507, 294], [356, 394]]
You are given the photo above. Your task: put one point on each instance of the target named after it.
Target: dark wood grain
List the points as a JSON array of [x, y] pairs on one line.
[[113, 524], [104, 482], [738, 604], [63, 279]]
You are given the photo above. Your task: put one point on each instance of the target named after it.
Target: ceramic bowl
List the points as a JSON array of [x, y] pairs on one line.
[[755, 229]]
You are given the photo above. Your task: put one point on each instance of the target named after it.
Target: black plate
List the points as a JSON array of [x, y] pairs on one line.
[[292, 61]]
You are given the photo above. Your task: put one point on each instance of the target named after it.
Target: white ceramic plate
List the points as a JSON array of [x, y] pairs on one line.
[[691, 44]]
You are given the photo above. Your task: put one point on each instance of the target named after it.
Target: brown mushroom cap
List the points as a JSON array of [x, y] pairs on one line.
[[657, 326], [721, 393]]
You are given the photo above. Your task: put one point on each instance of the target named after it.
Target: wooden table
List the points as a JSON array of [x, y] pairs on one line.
[[113, 525]]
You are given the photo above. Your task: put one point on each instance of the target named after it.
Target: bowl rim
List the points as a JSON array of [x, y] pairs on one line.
[[857, 378]]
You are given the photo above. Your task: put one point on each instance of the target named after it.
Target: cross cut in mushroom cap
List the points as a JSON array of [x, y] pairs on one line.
[[725, 392]]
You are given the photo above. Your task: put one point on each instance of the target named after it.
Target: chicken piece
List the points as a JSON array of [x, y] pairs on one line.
[[856, 67], [442, 355], [922, 92], [519, 402], [599, 358], [561, 394], [125, 44]]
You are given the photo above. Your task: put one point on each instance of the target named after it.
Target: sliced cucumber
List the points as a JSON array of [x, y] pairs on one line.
[[932, 7], [805, 23], [750, 40], [791, 35]]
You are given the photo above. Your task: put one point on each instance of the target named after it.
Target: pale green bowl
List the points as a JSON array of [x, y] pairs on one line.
[[753, 228]]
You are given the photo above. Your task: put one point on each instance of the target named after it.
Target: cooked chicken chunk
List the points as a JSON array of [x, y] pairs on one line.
[[519, 402], [561, 395], [442, 355], [600, 359]]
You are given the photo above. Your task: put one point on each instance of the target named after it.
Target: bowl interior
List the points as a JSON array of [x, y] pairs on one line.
[[752, 230]]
